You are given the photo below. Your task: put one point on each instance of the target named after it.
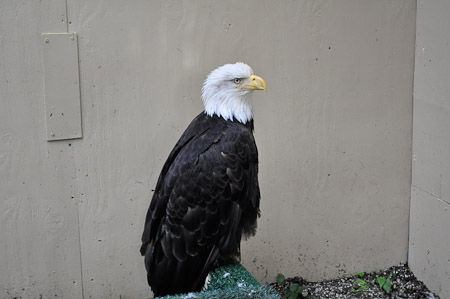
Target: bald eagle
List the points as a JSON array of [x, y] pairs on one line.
[[207, 195]]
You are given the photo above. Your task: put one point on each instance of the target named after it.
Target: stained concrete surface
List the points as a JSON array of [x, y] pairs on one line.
[[334, 135]]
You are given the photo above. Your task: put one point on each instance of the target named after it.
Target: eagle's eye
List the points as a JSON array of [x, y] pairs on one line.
[[237, 80]]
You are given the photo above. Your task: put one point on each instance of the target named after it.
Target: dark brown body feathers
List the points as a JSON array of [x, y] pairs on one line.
[[206, 198]]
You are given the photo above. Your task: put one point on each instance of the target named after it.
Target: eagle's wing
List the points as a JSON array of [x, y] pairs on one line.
[[206, 197]]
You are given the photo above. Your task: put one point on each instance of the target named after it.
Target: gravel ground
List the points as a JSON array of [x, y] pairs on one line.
[[402, 284]]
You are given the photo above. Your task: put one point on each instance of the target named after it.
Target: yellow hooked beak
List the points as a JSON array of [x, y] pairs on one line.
[[256, 83]]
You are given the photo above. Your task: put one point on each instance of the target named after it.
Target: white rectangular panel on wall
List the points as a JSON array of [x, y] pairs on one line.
[[61, 82]]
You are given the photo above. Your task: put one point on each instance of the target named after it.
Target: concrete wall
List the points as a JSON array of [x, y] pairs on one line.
[[429, 247], [334, 135]]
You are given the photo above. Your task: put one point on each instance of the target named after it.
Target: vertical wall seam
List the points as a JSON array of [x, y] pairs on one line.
[[412, 134], [76, 181], [79, 246], [67, 17]]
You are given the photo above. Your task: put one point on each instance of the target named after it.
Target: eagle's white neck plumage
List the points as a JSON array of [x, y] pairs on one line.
[[222, 98], [229, 106]]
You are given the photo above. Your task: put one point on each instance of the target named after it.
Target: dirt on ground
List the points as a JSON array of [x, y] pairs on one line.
[[395, 282]]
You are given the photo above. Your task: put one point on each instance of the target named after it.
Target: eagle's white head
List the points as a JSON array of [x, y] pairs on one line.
[[227, 90]]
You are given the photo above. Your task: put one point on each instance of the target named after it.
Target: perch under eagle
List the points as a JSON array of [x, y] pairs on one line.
[[207, 195]]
